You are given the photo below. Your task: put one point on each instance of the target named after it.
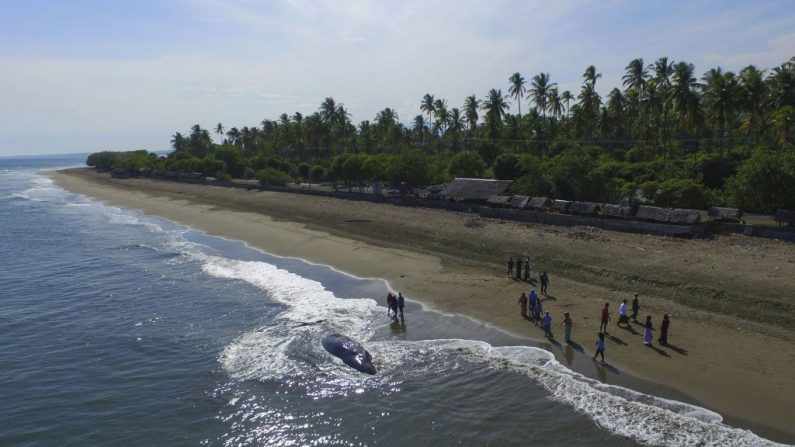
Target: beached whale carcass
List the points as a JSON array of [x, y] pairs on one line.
[[350, 351]]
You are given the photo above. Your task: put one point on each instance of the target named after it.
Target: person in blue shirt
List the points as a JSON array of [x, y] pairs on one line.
[[600, 346], [547, 325]]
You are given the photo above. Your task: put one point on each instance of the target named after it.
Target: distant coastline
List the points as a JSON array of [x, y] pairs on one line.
[[712, 287]]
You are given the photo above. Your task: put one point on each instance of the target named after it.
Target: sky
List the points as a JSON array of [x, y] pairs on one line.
[[90, 75]]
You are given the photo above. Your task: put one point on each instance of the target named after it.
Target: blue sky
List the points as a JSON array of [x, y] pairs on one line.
[[88, 75]]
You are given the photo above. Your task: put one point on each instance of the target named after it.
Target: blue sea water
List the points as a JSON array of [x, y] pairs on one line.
[[118, 328]]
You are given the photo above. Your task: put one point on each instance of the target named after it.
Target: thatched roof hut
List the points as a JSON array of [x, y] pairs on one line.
[[652, 213], [539, 203], [499, 200], [519, 201], [683, 216], [584, 208], [785, 217], [668, 215], [474, 189], [725, 214], [616, 211], [561, 206]]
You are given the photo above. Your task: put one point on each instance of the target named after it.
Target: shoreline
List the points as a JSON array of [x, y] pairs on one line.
[[451, 273]]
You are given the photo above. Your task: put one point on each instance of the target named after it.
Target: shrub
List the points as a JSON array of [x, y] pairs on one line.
[[270, 176]]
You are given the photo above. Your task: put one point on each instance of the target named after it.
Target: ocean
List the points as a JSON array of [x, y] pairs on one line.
[[118, 328]]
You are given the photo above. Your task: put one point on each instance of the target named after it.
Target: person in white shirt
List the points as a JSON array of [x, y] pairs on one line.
[[622, 314]]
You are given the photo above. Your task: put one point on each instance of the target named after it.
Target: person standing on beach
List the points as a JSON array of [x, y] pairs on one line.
[[605, 318], [391, 303], [635, 307], [544, 279], [532, 302], [649, 332], [547, 325], [519, 267], [527, 270], [622, 314], [401, 303], [666, 323], [600, 346], [537, 311], [523, 304], [510, 265], [567, 324]]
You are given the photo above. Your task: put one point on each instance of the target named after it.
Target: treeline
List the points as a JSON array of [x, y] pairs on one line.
[[668, 137]]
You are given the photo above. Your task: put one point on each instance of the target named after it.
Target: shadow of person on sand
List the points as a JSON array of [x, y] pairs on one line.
[[568, 354], [615, 339], [629, 329], [576, 346], [674, 348], [549, 297], [658, 350]]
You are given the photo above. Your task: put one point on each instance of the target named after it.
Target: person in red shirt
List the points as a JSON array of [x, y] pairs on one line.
[[605, 318]]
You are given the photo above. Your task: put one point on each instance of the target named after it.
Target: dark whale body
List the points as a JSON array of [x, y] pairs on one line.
[[350, 351]]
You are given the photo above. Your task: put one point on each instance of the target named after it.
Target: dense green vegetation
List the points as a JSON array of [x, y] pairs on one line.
[[669, 137]]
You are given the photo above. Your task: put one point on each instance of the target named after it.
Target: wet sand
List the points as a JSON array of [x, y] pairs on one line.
[[731, 297]]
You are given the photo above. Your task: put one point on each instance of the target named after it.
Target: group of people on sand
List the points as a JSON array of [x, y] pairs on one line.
[[395, 305], [522, 266], [531, 308], [624, 318]]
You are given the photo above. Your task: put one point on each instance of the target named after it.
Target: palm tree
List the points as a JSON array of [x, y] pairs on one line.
[[178, 141], [684, 96], [328, 110], [566, 97], [635, 79], [591, 76], [219, 129], [663, 70], [441, 114], [636, 75], [782, 85], [455, 127], [418, 128], [471, 106], [428, 107], [555, 103], [539, 90], [754, 95], [234, 136], [616, 106], [496, 107], [720, 99], [589, 106], [517, 90]]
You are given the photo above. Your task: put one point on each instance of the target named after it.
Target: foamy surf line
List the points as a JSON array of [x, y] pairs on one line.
[[644, 418]]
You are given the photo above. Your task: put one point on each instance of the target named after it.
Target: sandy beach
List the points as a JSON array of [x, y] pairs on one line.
[[731, 297]]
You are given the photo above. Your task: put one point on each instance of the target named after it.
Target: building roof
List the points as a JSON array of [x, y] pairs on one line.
[[584, 208], [475, 188], [731, 214], [668, 215], [499, 200], [539, 203], [611, 210], [519, 201]]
